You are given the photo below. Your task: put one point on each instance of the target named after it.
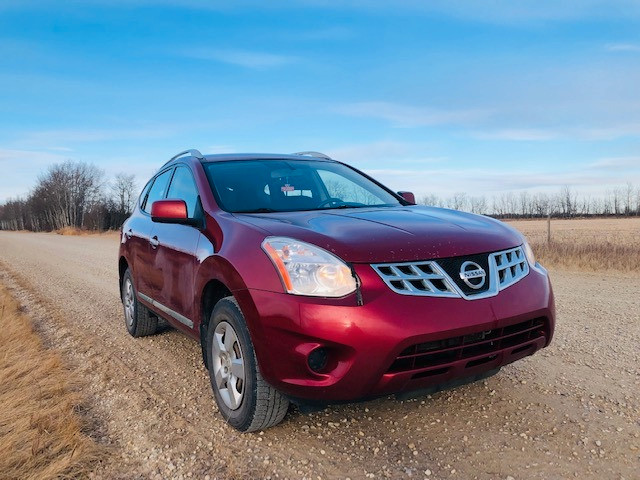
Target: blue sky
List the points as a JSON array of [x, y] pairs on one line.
[[435, 97]]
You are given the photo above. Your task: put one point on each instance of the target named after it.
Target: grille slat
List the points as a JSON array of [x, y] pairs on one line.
[[503, 337], [441, 352], [442, 277]]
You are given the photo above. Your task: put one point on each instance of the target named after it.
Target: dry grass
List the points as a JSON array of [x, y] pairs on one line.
[[586, 244], [41, 433], [588, 256], [79, 232], [73, 231]]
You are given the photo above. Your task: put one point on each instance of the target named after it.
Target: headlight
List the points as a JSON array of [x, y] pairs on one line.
[[529, 253], [308, 270]]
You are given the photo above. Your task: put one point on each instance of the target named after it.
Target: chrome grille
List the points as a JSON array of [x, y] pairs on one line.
[[511, 266], [429, 279], [416, 278]]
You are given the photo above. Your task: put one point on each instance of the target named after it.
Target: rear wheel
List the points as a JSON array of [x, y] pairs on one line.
[[139, 321], [245, 400]]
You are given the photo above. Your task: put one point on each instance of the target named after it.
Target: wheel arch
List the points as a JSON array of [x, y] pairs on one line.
[[217, 278]]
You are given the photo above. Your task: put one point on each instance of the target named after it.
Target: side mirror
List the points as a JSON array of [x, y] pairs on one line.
[[171, 211], [409, 197]]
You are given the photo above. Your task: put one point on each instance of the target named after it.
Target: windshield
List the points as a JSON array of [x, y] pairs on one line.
[[253, 186]]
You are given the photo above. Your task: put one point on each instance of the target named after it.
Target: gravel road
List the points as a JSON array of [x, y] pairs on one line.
[[572, 410]]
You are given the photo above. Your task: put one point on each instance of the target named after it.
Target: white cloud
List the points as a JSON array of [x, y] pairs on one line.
[[616, 162], [488, 182], [60, 149], [242, 58], [522, 134], [15, 157], [611, 132], [20, 169], [406, 116], [608, 133], [44, 138], [508, 11], [622, 47], [384, 152]]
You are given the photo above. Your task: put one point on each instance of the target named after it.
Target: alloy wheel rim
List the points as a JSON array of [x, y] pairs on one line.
[[129, 302], [228, 365]]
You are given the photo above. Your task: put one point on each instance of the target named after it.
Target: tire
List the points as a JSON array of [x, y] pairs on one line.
[[139, 321], [245, 400]]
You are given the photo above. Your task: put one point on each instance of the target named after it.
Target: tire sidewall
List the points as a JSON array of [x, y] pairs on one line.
[[241, 418]]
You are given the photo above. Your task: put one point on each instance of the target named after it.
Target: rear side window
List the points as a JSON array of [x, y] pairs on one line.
[[158, 189], [183, 187]]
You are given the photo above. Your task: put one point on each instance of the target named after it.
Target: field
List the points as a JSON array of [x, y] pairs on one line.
[[570, 411], [593, 244]]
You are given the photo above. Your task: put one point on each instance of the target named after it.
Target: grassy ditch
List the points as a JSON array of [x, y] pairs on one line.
[[42, 436]]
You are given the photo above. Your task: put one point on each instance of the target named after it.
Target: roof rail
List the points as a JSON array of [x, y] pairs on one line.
[[193, 152], [314, 154]]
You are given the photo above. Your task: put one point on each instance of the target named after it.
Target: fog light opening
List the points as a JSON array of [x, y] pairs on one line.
[[317, 359]]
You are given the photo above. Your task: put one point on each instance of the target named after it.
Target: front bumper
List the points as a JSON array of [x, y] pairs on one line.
[[364, 343]]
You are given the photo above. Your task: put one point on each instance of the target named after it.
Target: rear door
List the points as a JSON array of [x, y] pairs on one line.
[[174, 258]]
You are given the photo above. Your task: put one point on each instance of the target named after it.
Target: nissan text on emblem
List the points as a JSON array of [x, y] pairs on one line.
[[473, 275]]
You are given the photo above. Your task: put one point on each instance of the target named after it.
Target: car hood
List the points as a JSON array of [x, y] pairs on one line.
[[390, 234]]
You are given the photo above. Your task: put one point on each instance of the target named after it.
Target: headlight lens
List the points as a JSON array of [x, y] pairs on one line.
[[308, 270], [528, 251]]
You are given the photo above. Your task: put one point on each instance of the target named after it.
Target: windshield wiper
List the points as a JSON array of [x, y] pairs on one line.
[[339, 207], [258, 210]]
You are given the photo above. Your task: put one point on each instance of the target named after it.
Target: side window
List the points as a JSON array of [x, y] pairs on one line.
[[183, 187], [145, 192], [158, 189]]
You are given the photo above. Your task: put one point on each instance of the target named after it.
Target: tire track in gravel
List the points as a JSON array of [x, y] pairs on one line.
[[538, 418]]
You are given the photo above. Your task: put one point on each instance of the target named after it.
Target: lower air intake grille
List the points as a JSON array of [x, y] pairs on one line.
[[439, 353]]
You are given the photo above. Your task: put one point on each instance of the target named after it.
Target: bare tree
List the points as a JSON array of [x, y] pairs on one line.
[[458, 201], [124, 189], [431, 200], [567, 201], [628, 199], [65, 193], [478, 205], [616, 197], [525, 204]]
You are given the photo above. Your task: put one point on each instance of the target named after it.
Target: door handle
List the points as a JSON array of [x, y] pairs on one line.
[[154, 242]]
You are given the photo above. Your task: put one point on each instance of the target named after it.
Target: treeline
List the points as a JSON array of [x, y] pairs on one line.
[[77, 194], [72, 194], [567, 203]]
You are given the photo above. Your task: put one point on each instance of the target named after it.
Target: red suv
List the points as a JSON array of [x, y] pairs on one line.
[[306, 280]]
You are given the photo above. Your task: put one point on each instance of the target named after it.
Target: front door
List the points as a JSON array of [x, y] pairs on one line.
[[140, 236], [173, 256]]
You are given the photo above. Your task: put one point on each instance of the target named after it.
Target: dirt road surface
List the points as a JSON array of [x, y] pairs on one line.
[[571, 411]]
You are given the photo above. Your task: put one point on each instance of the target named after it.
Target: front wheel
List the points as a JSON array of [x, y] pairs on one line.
[[245, 400]]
